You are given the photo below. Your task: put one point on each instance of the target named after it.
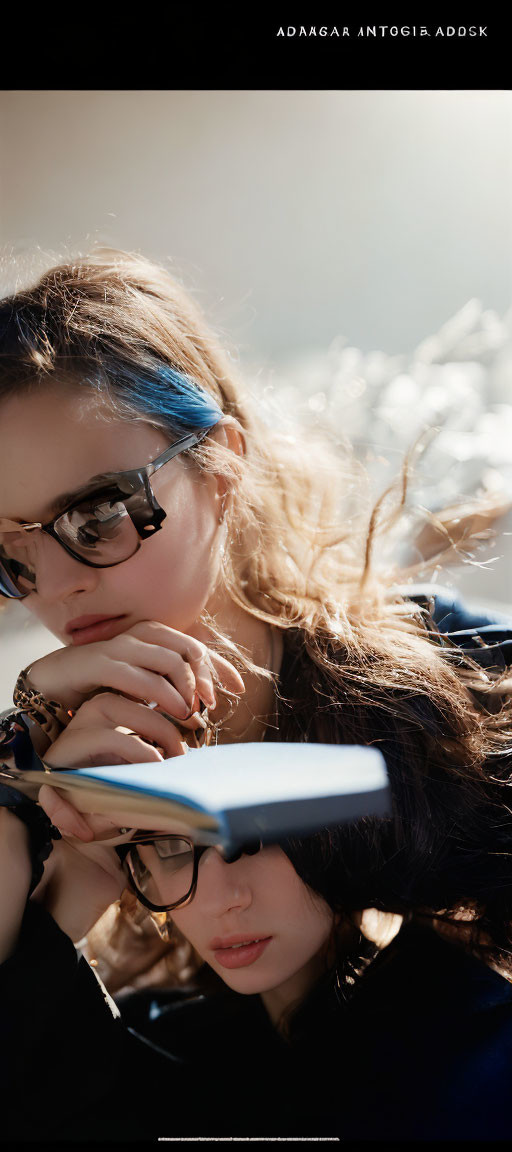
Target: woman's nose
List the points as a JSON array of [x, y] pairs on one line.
[[223, 886], [59, 575]]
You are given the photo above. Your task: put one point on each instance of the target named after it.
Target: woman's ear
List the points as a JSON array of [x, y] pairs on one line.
[[229, 433]]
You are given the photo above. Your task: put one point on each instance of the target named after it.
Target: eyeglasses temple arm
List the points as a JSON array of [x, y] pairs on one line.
[[188, 441]]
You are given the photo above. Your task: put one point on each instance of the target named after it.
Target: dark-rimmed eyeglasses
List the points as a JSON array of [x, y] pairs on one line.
[[101, 529], [162, 869]]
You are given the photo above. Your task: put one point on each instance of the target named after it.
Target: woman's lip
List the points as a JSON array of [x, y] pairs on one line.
[[240, 957], [102, 630], [236, 938], [85, 621]]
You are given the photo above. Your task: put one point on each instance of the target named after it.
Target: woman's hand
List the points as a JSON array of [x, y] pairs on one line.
[[148, 662], [109, 729], [83, 874], [81, 878]]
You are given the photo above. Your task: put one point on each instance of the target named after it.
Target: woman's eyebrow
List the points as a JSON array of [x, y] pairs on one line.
[[66, 498]]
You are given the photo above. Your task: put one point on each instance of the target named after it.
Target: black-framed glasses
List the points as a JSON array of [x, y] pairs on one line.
[[101, 529], [162, 869]]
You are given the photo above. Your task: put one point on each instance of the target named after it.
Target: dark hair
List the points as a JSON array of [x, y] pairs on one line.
[[446, 850]]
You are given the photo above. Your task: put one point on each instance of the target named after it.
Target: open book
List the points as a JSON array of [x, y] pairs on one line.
[[226, 794]]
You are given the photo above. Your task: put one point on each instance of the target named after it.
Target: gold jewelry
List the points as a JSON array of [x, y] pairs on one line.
[[201, 736], [49, 715], [192, 737]]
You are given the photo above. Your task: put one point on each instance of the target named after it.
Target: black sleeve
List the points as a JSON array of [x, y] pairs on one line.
[[485, 636], [451, 613], [70, 1069]]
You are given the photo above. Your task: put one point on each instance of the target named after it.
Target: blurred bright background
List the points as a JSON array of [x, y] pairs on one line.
[[353, 249]]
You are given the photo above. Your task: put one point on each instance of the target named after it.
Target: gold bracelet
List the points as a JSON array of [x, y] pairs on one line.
[[51, 716]]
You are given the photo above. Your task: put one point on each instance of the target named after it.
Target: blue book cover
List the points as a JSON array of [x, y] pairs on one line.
[[228, 793]]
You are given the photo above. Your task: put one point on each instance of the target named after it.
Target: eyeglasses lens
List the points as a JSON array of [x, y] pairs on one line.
[[17, 573], [101, 533], [163, 870]]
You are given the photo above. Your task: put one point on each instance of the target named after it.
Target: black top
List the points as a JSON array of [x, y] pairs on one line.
[[421, 1049]]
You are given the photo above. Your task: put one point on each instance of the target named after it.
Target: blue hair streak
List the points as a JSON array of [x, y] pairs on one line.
[[163, 393]]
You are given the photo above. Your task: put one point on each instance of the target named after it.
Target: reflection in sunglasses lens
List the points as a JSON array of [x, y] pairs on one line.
[[103, 534], [105, 530]]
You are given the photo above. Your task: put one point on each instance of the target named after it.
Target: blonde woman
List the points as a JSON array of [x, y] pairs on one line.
[[197, 567]]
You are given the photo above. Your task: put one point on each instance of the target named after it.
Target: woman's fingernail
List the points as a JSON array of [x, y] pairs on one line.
[[200, 721], [208, 694], [191, 708]]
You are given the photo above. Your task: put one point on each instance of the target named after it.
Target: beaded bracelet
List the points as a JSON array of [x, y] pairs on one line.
[[42, 832]]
